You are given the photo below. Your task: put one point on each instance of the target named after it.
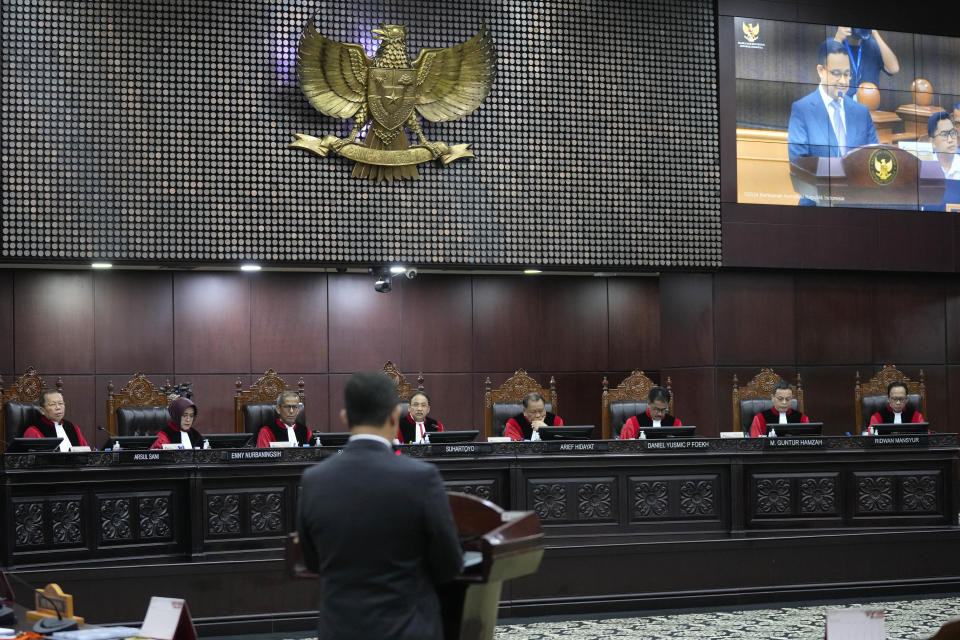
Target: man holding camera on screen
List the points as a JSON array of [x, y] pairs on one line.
[[869, 55]]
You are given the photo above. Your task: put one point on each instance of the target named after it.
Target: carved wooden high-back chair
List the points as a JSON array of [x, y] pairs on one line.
[[254, 407], [627, 399], [18, 404], [139, 407], [871, 396], [404, 388], [506, 401], [754, 397]]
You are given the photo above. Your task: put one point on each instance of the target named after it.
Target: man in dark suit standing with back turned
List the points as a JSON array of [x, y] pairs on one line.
[[377, 527]]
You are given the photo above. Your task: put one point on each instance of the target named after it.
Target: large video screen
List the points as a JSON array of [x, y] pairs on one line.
[[841, 116]]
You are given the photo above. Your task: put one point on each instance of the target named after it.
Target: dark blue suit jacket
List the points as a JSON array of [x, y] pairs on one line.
[[811, 133], [378, 529]]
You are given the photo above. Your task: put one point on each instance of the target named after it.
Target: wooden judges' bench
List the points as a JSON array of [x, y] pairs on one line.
[[628, 523]]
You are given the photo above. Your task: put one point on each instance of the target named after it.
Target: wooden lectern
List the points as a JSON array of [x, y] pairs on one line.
[[854, 180], [509, 544]]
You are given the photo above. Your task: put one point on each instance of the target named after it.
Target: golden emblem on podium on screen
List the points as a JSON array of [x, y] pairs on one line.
[[389, 93], [882, 166]]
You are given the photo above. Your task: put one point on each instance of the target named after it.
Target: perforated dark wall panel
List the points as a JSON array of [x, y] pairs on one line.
[[158, 131]]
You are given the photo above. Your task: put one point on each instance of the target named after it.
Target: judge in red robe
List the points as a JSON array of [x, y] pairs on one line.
[[414, 427], [534, 416], [656, 415], [285, 426], [180, 429], [52, 425], [897, 407], [782, 396]]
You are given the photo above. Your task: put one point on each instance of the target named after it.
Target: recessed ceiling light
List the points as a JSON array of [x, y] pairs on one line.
[[250, 267], [531, 272], [398, 269], [102, 265]]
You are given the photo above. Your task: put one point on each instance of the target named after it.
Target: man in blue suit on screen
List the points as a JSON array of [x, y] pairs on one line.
[[827, 123]]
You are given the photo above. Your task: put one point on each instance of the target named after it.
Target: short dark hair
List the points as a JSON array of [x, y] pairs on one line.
[[897, 383], [935, 119], [658, 394], [416, 393], [829, 47], [369, 398], [42, 400], [287, 394], [782, 385], [533, 396]]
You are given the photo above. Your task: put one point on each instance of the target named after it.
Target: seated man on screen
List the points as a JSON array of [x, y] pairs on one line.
[[284, 427], [534, 416], [869, 54], [416, 424], [52, 424], [780, 413], [825, 123], [898, 411], [943, 135], [658, 402]]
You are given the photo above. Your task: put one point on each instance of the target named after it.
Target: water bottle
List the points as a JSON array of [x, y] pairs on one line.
[[206, 443], [773, 433], [642, 436], [536, 436]]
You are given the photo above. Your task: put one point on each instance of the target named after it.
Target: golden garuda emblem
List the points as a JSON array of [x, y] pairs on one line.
[[389, 92], [751, 31], [882, 166]]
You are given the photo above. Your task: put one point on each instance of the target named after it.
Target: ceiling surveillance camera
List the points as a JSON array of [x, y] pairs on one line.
[[411, 273], [382, 285]]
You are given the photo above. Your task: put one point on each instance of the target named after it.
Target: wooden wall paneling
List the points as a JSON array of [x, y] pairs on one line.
[[952, 299], [100, 393], [7, 336], [828, 395], [580, 397], [364, 325], [634, 317], [846, 242], [693, 391], [686, 320], [951, 421], [507, 324], [213, 395], [939, 403], [316, 391], [927, 246], [288, 322], [452, 400], [211, 314], [754, 318], [574, 323], [336, 383], [909, 320], [133, 321], [436, 324], [53, 320], [834, 320]]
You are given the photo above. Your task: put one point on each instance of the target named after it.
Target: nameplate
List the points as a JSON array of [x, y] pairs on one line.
[[793, 443], [256, 455], [460, 449], [575, 446], [918, 440], [152, 456], [675, 444]]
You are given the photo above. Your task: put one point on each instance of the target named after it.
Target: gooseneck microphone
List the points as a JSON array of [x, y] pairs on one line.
[[46, 626]]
